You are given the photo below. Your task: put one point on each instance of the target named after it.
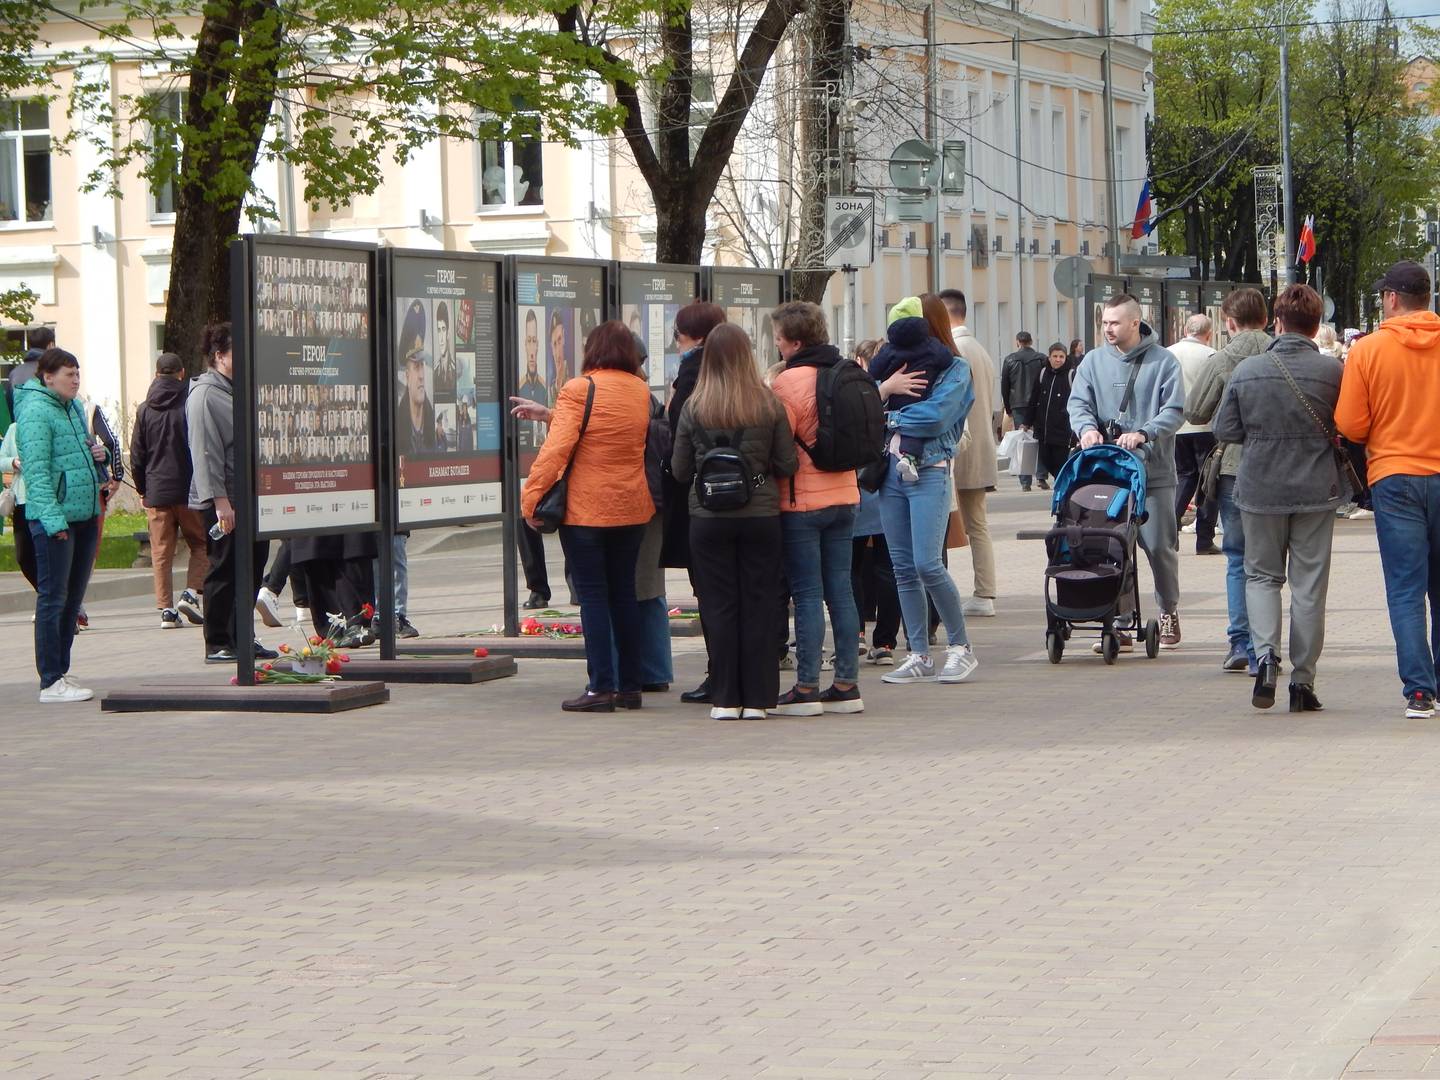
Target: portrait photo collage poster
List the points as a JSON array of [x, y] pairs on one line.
[[1152, 308], [1212, 295], [557, 305], [650, 297], [748, 299], [313, 369], [446, 388], [1182, 299]]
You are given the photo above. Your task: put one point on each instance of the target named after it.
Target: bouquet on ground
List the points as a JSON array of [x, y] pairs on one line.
[[315, 659]]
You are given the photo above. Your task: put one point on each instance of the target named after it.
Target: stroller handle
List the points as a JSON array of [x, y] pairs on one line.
[[1070, 531]]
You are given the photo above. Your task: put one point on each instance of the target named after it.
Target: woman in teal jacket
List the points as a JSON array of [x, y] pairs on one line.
[[62, 491]]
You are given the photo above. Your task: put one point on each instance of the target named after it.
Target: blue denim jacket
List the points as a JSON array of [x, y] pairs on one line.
[[940, 418]]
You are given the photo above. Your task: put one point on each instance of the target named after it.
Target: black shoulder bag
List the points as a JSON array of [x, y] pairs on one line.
[[550, 510]]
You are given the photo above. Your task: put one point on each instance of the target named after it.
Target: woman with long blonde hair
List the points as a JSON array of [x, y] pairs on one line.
[[734, 441]]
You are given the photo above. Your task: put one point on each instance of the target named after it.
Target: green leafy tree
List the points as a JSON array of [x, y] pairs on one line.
[[361, 81]]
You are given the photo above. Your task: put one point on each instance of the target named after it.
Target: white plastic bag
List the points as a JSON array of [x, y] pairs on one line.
[[1025, 455], [1006, 449]]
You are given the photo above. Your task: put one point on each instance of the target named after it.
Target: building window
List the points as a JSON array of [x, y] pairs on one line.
[[511, 173], [165, 153], [24, 161]]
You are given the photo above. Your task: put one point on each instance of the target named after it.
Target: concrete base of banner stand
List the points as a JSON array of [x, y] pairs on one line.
[[521, 648], [328, 697], [684, 627], [457, 669]]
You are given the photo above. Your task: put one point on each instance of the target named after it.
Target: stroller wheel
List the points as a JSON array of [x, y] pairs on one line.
[[1054, 646], [1152, 638], [1065, 631], [1110, 647]]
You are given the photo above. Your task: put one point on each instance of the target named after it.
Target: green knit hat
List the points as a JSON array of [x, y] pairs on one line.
[[909, 308]]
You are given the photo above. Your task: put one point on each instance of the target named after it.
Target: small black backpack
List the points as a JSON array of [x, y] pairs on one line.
[[722, 478], [851, 431]]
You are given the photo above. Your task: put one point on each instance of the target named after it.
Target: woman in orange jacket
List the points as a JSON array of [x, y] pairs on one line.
[[607, 505]]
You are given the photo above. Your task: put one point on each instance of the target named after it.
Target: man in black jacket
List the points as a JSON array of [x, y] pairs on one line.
[[1018, 375], [160, 468]]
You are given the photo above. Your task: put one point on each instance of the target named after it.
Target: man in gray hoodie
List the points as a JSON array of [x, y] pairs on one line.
[[1148, 421], [1245, 315]]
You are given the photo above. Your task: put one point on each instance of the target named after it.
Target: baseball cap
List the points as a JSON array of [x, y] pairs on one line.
[[1405, 277]]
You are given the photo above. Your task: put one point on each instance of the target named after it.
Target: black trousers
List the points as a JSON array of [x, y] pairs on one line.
[[872, 579], [341, 586], [737, 573], [281, 571], [1053, 457], [532, 559], [25, 546], [220, 583], [1358, 460], [1190, 451]]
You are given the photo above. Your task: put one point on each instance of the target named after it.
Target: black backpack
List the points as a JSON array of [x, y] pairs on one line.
[[722, 478], [851, 432]]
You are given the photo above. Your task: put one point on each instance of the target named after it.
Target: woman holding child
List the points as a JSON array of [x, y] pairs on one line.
[[927, 399]]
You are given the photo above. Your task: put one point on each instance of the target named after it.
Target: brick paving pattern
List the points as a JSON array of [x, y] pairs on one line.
[[1077, 871]]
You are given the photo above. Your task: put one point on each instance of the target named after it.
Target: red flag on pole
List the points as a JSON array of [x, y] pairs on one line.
[[1306, 249]]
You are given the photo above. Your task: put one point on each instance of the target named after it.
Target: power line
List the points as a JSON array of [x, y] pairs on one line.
[[1136, 35]]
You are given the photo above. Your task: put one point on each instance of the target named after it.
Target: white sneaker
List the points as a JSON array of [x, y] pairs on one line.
[[1361, 513], [1345, 509], [978, 606], [960, 664], [752, 714], [302, 616], [189, 605], [74, 685], [1188, 529], [267, 606], [916, 668], [718, 713], [61, 692]]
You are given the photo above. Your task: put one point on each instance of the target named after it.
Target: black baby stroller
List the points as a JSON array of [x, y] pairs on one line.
[[1090, 579]]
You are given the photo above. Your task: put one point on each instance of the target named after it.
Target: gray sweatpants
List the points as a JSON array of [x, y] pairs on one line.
[[1160, 539], [1302, 541]]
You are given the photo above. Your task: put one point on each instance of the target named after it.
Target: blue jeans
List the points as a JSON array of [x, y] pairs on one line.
[[915, 516], [63, 570], [656, 661], [1407, 524], [817, 560], [402, 575], [602, 566], [1232, 543]]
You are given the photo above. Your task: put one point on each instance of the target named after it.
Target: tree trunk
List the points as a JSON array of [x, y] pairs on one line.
[[228, 106]]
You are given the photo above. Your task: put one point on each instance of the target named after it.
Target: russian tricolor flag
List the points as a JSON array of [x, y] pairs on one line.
[[1306, 249], [1143, 210]]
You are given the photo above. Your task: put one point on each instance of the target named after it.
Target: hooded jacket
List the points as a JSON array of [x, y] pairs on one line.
[[1389, 394], [811, 488], [1157, 407], [1050, 404], [61, 483], [1289, 464], [975, 467], [1204, 397], [210, 424], [160, 447], [1018, 376], [939, 419], [910, 346]]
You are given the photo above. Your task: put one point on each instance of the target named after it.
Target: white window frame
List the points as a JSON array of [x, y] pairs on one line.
[[512, 203], [16, 137], [152, 200]]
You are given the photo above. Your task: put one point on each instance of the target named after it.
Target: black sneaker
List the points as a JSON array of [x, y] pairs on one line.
[[1421, 706], [262, 653], [842, 701], [170, 619], [1043, 485], [797, 702], [405, 628]]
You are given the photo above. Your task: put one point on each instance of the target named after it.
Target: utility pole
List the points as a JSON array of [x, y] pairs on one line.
[[1020, 244], [932, 136], [1292, 270], [1112, 193]]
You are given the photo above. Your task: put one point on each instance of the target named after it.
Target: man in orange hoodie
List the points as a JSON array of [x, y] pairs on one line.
[[1389, 399]]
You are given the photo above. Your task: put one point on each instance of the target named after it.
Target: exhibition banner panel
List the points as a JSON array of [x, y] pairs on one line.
[[1152, 306], [748, 297], [444, 379], [1212, 295], [557, 304], [650, 295], [312, 379], [1099, 290], [1182, 299]]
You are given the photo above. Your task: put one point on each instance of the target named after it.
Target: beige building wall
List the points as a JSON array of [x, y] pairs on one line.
[[101, 264]]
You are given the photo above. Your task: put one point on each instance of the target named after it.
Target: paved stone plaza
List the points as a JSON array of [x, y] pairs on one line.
[[1073, 871]]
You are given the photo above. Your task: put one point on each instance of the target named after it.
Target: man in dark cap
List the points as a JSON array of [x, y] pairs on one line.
[[1388, 400]]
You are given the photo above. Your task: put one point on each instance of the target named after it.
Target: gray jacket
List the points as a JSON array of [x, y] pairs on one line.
[[210, 418], [769, 450], [1289, 466], [1210, 383], [1156, 409]]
